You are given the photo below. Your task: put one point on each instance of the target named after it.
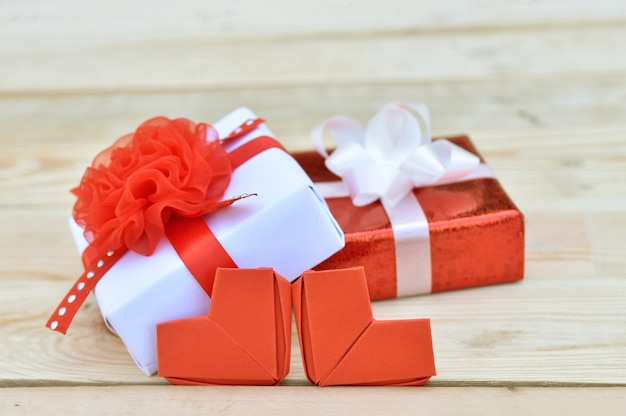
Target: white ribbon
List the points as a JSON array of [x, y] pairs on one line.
[[393, 155], [411, 239], [386, 161]]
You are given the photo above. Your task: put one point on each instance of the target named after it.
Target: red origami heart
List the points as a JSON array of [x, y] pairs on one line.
[[245, 339], [342, 343]]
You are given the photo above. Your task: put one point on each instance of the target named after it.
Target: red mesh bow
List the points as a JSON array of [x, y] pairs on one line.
[[126, 198], [132, 188]]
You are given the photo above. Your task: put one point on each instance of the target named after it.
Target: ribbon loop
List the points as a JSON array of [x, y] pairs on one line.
[[368, 182], [342, 128], [392, 155], [393, 133]]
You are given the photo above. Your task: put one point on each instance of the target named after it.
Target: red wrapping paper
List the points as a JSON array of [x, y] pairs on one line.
[[476, 232]]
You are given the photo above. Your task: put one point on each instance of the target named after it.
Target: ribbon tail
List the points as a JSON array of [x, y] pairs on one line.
[[227, 202], [65, 312]]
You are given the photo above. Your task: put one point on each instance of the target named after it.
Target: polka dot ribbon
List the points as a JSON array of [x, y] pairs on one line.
[[63, 315]]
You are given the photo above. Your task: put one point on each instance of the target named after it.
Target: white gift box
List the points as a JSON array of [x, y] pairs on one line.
[[287, 226]]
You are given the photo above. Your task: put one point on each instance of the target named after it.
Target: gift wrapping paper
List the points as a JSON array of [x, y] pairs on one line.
[[286, 226], [475, 235]]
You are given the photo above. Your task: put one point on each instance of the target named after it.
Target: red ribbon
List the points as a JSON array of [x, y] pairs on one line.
[[193, 239], [189, 237]]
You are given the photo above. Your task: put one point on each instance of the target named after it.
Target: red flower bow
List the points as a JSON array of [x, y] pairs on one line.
[[126, 198], [132, 188]]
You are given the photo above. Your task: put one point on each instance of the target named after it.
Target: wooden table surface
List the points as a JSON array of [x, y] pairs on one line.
[[539, 85]]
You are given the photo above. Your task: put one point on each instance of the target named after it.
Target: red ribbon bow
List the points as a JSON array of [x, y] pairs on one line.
[[167, 168]]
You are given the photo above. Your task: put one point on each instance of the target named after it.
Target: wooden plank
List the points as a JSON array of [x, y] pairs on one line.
[[527, 130], [79, 123], [539, 86], [164, 400], [193, 63], [515, 334], [559, 171], [36, 245], [39, 21]]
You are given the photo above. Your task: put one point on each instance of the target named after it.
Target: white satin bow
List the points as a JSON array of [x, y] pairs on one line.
[[394, 154]]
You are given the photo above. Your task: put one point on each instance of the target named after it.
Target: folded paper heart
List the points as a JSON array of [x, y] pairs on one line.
[[342, 343], [244, 340]]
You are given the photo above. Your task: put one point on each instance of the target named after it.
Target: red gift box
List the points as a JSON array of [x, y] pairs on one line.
[[475, 233]]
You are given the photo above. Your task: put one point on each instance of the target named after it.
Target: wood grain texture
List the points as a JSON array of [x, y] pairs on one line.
[[140, 65], [507, 335], [164, 400], [92, 20], [54, 138], [539, 85]]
